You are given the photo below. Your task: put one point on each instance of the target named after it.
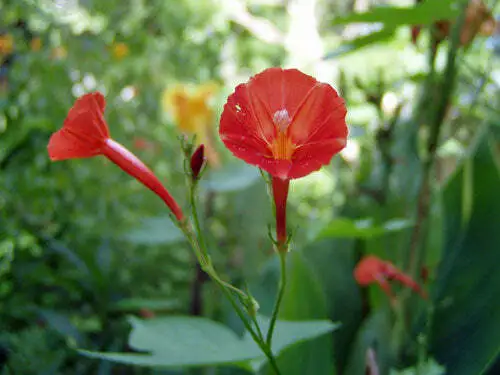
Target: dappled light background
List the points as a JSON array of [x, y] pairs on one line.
[[83, 246]]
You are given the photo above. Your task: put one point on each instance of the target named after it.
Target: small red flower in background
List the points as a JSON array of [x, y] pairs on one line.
[[85, 134], [286, 123], [372, 269]]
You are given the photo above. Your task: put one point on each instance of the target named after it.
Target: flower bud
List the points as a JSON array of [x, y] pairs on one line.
[[197, 161]]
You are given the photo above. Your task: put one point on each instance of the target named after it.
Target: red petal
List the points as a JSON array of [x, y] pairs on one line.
[[245, 136], [84, 131], [281, 89], [321, 116], [311, 157], [367, 269]]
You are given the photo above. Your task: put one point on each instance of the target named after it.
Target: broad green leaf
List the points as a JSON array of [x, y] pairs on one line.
[[333, 261], [155, 231], [233, 177], [375, 334], [366, 40], [422, 14], [346, 228], [179, 341], [430, 367], [467, 316], [304, 299]]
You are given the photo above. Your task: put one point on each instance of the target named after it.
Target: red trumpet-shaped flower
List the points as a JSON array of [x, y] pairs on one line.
[[286, 123], [372, 269], [85, 134]]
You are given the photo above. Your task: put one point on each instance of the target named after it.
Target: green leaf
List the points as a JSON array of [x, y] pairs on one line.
[[375, 334], [363, 41], [430, 367], [155, 231], [233, 177], [333, 261], [422, 14], [467, 316], [345, 228], [304, 299], [61, 324], [179, 341]]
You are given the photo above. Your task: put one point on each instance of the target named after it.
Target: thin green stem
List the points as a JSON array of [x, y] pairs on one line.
[[196, 220], [262, 345], [197, 242], [257, 327], [279, 297]]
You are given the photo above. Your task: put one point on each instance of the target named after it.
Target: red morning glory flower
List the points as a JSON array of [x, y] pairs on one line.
[[85, 134], [372, 269], [286, 123]]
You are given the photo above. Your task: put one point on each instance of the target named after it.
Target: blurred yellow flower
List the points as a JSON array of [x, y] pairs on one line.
[[191, 110], [59, 53], [36, 44], [6, 44], [119, 50]]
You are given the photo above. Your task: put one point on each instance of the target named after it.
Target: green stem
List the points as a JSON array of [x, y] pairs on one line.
[[197, 242], [196, 220], [279, 297], [447, 86], [257, 327]]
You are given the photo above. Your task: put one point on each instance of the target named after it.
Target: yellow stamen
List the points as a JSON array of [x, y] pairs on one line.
[[282, 147]]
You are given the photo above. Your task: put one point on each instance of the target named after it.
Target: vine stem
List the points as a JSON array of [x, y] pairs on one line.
[[279, 296], [197, 242], [448, 84]]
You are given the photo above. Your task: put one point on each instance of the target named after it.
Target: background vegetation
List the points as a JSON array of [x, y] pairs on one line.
[[83, 247]]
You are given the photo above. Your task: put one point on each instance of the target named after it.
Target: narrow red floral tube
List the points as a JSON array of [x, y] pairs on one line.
[[129, 163], [85, 134], [280, 194]]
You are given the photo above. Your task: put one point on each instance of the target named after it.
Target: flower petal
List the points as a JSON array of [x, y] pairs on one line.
[[84, 131], [319, 117], [312, 156], [281, 89], [245, 136]]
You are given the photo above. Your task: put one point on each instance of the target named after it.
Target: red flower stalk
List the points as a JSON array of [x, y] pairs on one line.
[[198, 160], [372, 269], [280, 194], [85, 134], [286, 123]]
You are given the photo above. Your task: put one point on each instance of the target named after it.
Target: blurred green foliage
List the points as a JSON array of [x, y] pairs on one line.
[[82, 246]]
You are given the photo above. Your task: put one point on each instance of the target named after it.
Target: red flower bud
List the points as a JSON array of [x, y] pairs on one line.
[[198, 161]]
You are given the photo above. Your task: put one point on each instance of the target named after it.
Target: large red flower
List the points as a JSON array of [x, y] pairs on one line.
[[284, 122], [372, 269], [85, 134]]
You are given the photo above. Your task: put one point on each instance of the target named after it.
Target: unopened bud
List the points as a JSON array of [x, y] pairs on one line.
[[198, 161]]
